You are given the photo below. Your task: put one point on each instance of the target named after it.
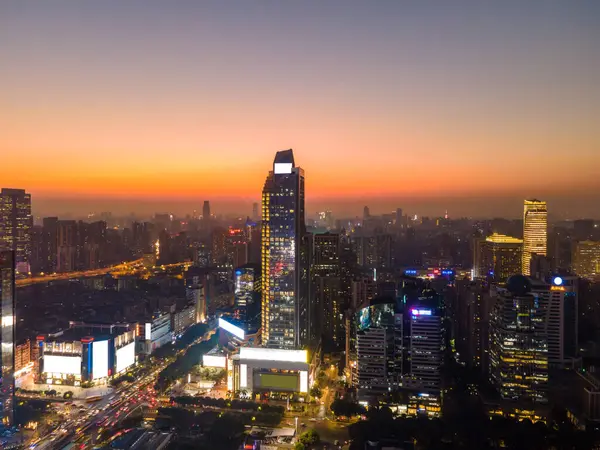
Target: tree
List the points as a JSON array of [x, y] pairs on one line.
[[299, 446], [316, 392], [67, 395], [310, 437]]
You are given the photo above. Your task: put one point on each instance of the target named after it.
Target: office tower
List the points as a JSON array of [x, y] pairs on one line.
[[206, 210], [535, 231], [558, 301], [426, 345], [326, 289], [586, 259], [66, 235], [471, 322], [247, 285], [236, 247], [284, 303], [7, 299], [518, 344], [255, 212], [374, 347], [15, 225], [497, 257]]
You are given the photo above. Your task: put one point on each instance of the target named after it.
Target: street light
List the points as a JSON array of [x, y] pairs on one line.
[[296, 425]]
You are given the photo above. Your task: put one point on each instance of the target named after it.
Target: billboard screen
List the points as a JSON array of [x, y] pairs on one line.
[[125, 357], [99, 359], [274, 354], [68, 365], [236, 331], [213, 361], [277, 382]]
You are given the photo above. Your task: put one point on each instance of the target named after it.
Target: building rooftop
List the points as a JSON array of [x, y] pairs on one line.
[[497, 238], [284, 157]]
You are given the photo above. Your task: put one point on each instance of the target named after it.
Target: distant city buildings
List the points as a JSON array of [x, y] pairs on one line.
[[284, 297], [535, 232], [16, 223]]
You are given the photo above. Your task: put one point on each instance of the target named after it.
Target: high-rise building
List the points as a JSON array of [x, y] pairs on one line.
[[206, 210], [66, 246], [497, 257], [586, 259], [326, 289], [518, 343], [16, 222], [7, 347], [284, 296], [535, 231], [255, 212], [366, 213], [50, 240], [558, 301], [247, 288]]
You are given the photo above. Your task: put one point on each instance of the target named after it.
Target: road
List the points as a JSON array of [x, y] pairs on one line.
[[87, 421], [126, 267]]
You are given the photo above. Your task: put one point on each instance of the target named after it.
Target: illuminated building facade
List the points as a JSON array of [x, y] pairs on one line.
[[535, 232], [16, 223], [7, 298], [558, 300], [85, 353], [284, 273], [518, 343], [247, 285], [271, 371], [586, 259], [497, 257]]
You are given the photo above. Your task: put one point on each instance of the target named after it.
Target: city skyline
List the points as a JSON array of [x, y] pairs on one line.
[[191, 100]]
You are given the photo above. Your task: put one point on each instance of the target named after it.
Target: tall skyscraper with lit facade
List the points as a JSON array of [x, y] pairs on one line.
[[284, 273], [7, 337], [16, 222], [535, 231], [518, 343]]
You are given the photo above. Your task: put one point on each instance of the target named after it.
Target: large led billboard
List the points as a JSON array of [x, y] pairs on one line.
[[236, 331], [125, 357], [213, 361], [67, 365], [99, 359], [274, 354], [277, 382]]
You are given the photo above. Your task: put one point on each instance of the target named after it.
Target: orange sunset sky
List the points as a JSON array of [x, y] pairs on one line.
[[418, 105]]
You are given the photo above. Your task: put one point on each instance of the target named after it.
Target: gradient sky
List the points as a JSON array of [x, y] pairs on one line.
[[402, 101]]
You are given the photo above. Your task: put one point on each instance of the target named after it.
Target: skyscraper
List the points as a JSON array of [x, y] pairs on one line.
[[206, 210], [535, 231], [284, 302], [15, 225], [497, 257], [518, 343], [7, 337]]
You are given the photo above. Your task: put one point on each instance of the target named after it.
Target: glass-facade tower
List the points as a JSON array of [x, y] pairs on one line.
[[16, 223], [284, 307], [7, 298], [535, 231]]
